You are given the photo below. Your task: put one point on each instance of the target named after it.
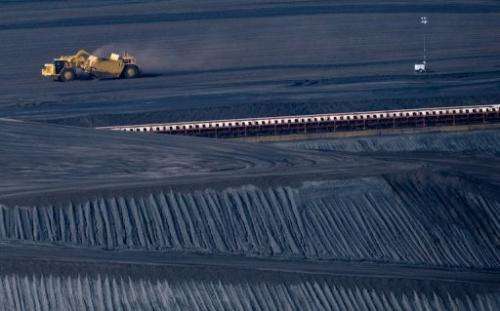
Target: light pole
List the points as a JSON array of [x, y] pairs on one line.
[[422, 67], [424, 21]]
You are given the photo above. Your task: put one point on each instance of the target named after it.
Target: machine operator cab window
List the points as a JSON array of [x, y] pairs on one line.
[[59, 65]]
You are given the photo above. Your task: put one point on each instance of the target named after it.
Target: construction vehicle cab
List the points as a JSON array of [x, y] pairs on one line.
[[67, 68], [59, 70]]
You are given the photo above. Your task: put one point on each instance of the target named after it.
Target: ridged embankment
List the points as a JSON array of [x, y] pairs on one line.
[[113, 292], [417, 218], [486, 141]]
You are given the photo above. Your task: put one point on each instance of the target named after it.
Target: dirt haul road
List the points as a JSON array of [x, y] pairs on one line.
[[234, 59]]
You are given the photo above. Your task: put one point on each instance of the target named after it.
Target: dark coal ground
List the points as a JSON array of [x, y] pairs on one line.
[[235, 59], [97, 220]]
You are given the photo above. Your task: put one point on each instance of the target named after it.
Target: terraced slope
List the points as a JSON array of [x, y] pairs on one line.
[[94, 220], [280, 204], [77, 197], [428, 220]]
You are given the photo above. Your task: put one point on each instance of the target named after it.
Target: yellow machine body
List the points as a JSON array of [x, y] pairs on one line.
[[113, 66], [49, 70]]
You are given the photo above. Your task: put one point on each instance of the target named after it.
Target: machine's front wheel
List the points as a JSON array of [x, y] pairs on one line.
[[67, 75], [130, 71]]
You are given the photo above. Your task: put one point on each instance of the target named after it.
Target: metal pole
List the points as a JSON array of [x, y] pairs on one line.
[[425, 48], [424, 21]]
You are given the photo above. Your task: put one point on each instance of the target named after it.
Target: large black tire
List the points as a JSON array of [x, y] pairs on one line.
[[130, 71], [67, 75]]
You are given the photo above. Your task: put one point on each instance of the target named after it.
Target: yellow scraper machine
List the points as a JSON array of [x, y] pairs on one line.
[[69, 67]]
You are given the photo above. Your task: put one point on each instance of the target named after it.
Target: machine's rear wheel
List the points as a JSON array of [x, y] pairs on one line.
[[67, 75], [130, 71]]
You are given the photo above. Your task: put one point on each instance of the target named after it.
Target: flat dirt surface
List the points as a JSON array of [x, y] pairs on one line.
[[238, 59]]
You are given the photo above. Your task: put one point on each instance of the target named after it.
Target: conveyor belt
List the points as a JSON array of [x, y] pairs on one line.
[[331, 122]]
